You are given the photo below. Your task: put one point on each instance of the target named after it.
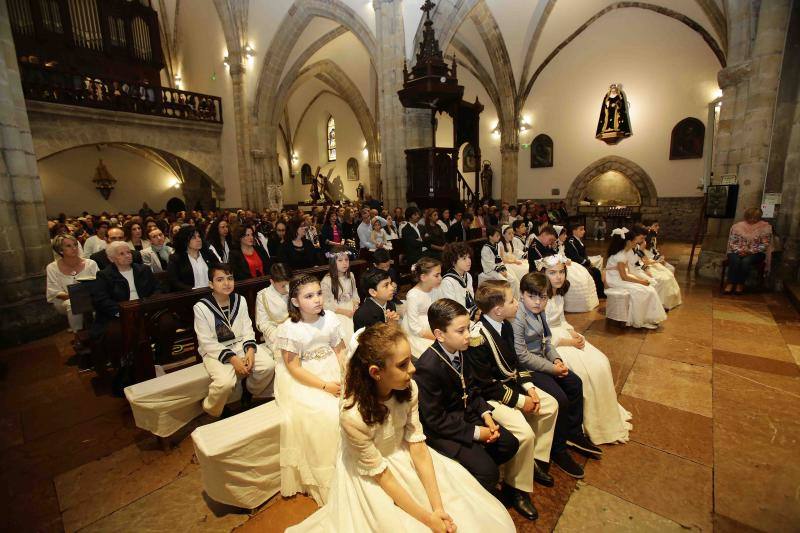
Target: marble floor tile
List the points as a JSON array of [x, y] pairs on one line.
[[756, 435], [101, 487], [770, 332], [790, 334], [279, 514], [592, 509], [671, 383], [674, 431], [694, 350], [180, 505], [745, 316], [621, 353], [752, 362], [724, 524], [660, 482], [794, 349], [10, 431], [771, 348]]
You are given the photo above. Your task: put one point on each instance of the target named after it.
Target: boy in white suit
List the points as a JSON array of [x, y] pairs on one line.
[[227, 343]]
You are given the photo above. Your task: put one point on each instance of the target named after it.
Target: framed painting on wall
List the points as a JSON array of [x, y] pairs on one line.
[[470, 163], [352, 170]]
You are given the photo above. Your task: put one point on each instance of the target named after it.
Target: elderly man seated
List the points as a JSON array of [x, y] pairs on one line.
[[121, 281], [114, 234]]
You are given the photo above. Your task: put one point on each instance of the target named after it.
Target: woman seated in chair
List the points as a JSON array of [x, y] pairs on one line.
[[749, 243]]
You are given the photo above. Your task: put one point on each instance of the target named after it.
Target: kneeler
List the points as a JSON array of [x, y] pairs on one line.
[[239, 456]]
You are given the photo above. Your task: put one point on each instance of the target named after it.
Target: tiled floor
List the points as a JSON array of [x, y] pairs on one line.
[[714, 394]]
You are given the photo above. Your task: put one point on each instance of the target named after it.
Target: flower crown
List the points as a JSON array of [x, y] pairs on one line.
[[550, 261], [349, 253], [620, 231]]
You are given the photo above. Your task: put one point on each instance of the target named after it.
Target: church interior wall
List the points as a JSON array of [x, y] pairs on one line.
[[202, 70], [667, 73], [310, 147], [68, 188]]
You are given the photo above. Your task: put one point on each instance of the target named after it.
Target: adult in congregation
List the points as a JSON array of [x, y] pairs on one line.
[[413, 236], [219, 239], [96, 242], [298, 252], [101, 257], [364, 231], [749, 243], [121, 281], [64, 272], [331, 230], [459, 230], [188, 265], [246, 259], [156, 256], [133, 236]]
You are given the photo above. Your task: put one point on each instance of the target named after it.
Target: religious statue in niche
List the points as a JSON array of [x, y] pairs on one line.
[[542, 151], [305, 174], [360, 192], [614, 124], [352, 169], [486, 180], [687, 139], [470, 163]]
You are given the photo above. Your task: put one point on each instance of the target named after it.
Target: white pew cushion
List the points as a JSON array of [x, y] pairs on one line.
[[240, 456]]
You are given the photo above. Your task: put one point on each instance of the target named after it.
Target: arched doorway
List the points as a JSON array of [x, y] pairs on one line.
[[615, 179]]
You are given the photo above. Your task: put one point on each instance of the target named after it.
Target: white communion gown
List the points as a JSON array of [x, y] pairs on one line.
[[582, 294], [645, 306], [310, 423], [357, 504], [348, 298], [669, 292], [415, 320], [605, 421]]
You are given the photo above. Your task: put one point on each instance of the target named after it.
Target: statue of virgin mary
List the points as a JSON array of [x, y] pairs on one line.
[[614, 124]]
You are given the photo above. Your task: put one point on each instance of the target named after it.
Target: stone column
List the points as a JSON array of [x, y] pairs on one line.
[[749, 91], [375, 188], [391, 126], [509, 171], [253, 192], [24, 244]]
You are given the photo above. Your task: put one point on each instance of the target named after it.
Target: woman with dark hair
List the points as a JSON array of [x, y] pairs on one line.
[[188, 266], [435, 236], [331, 230], [277, 241], [749, 243], [349, 225], [246, 259], [298, 252], [219, 239], [133, 236]]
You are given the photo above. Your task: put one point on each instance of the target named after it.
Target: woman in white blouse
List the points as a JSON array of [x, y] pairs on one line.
[[65, 271]]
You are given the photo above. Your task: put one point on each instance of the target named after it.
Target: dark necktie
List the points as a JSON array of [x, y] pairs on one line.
[[457, 362]]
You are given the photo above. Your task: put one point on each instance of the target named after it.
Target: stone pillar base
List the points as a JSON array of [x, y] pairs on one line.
[[709, 264], [28, 316]]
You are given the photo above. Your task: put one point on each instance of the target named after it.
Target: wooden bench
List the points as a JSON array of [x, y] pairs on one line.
[[136, 316]]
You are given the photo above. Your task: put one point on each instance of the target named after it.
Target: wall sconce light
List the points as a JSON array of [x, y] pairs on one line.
[[524, 123], [249, 52], [174, 182], [177, 81], [295, 159], [496, 130], [103, 180]]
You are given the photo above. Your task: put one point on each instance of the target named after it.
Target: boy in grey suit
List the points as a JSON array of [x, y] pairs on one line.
[[535, 352]]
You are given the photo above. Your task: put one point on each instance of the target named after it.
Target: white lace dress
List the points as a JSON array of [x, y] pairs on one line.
[[415, 320], [348, 298], [604, 419], [645, 306], [357, 504], [310, 423], [582, 294], [669, 292]]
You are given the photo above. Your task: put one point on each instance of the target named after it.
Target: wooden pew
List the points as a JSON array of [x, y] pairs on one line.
[[136, 315]]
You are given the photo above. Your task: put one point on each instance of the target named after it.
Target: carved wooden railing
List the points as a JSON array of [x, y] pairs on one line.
[[88, 91], [465, 192]]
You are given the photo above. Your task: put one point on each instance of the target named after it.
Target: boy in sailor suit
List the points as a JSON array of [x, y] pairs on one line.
[[227, 343], [529, 413]]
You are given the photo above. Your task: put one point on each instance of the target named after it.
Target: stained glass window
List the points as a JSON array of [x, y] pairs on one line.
[[331, 139]]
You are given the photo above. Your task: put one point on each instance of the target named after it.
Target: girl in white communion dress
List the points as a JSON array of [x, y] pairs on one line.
[[387, 479], [604, 419]]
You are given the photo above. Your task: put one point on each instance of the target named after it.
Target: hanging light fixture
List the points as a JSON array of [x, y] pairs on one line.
[[103, 180]]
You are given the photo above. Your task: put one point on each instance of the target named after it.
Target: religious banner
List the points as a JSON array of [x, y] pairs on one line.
[[613, 124]]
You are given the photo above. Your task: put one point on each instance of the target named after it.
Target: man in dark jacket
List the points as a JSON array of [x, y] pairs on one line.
[[459, 231], [413, 237], [122, 281]]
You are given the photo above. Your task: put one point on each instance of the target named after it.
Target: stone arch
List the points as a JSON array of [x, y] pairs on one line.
[[332, 75], [644, 184], [291, 28], [680, 17], [55, 128]]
